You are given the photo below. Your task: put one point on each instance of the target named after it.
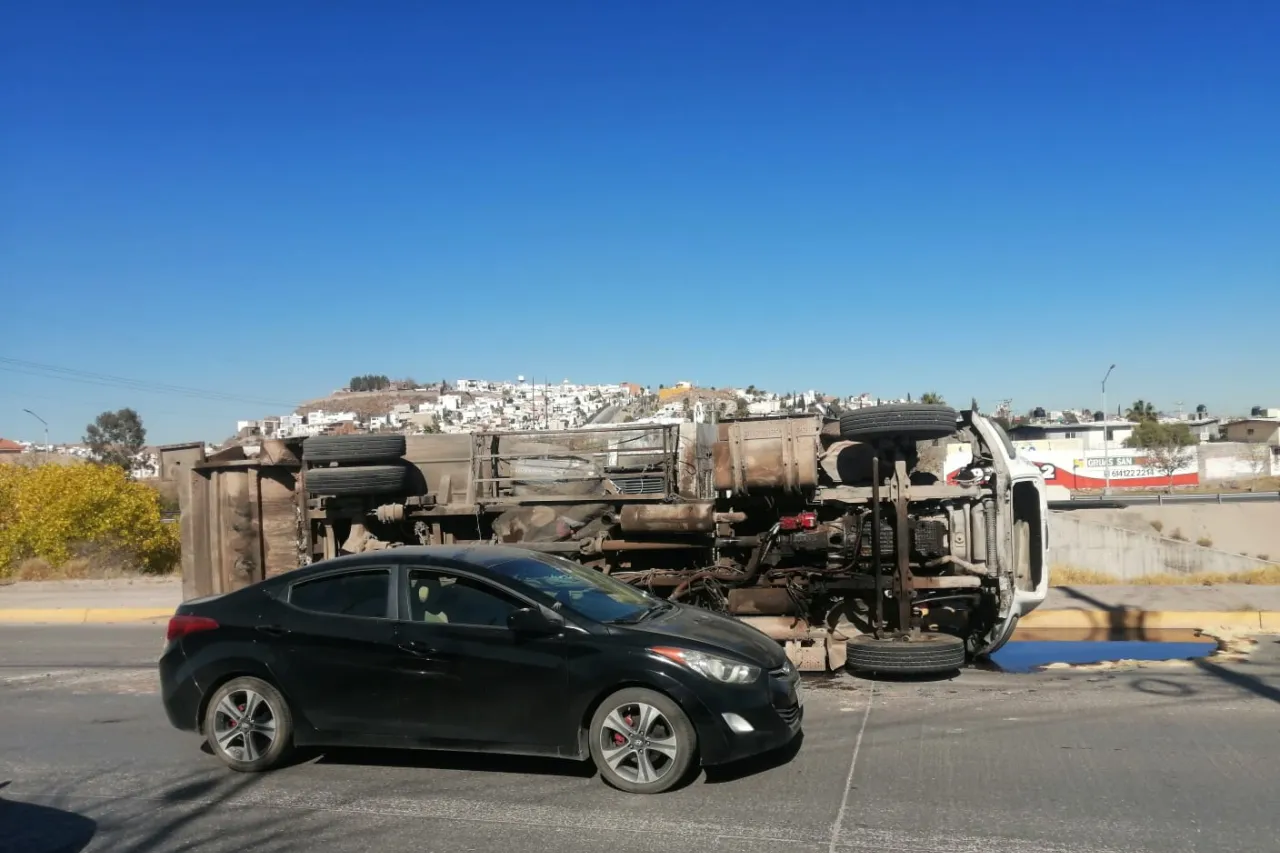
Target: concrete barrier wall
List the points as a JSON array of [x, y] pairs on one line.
[[1128, 555]]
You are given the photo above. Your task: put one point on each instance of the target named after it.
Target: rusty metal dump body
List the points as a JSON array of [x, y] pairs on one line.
[[785, 522]]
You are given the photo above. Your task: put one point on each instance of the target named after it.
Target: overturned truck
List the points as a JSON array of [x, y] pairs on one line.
[[844, 539]]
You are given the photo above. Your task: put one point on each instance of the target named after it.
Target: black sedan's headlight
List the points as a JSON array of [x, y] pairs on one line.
[[714, 667]]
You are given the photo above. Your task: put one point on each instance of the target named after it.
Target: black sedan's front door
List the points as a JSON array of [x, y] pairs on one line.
[[468, 680], [336, 635]]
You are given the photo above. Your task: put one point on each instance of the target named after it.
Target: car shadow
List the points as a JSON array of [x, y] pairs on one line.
[[35, 828], [480, 762], [756, 764]]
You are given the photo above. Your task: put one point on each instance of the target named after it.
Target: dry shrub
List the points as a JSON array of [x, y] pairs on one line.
[[1073, 576], [1205, 542], [86, 520]]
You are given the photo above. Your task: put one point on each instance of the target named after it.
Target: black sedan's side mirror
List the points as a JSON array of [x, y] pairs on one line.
[[531, 620]]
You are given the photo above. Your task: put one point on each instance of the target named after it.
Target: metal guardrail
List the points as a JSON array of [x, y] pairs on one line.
[[1121, 501]]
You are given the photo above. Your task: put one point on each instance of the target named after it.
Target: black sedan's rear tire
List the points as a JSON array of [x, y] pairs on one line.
[[924, 654], [642, 742], [364, 480], [913, 421], [353, 448], [248, 725]]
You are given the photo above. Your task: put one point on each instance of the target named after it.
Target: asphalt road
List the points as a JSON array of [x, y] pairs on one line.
[[1180, 758]]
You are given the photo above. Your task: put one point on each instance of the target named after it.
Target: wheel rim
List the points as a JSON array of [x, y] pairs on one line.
[[638, 743], [244, 725]]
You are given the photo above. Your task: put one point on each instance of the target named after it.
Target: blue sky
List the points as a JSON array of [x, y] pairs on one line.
[[985, 199]]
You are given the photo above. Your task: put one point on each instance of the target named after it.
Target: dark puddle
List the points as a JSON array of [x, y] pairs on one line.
[[1032, 655]]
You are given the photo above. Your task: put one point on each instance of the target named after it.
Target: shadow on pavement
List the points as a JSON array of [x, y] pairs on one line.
[[31, 828], [480, 762], [756, 764], [1244, 681]]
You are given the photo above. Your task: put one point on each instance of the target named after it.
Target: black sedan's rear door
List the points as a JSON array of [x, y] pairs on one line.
[[337, 636]]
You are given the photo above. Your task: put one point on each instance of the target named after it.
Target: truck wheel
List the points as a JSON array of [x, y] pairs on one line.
[[365, 480], [926, 653], [353, 448], [916, 421]]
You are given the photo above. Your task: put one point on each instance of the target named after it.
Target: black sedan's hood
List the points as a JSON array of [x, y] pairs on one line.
[[711, 629]]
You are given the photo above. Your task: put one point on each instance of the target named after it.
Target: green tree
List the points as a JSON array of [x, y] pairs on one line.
[[1169, 447], [743, 408], [1140, 411], [932, 398], [116, 438], [751, 389]]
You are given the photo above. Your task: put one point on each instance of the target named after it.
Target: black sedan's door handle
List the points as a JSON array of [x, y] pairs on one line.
[[273, 630], [417, 649]]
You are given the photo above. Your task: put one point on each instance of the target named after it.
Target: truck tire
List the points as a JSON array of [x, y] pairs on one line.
[[927, 653], [916, 421], [353, 448], [365, 480]]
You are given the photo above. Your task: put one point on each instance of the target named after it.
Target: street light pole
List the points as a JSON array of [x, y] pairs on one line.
[[46, 427], [1106, 450]]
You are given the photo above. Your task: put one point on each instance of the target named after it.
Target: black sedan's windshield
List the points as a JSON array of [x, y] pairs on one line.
[[585, 591]]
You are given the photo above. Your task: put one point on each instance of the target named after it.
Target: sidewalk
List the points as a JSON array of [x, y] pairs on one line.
[[97, 601], [1151, 607]]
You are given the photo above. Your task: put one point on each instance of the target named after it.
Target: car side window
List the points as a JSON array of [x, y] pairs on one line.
[[349, 594], [437, 596]]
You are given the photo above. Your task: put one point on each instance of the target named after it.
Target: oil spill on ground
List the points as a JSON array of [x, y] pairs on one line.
[[1033, 655]]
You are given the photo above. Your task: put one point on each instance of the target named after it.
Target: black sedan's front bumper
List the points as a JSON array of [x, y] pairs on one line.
[[741, 721]]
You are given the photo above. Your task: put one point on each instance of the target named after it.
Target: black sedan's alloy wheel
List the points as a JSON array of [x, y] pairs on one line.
[[642, 742], [248, 725]]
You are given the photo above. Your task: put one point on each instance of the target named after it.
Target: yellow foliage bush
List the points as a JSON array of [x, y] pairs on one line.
[[55, 512]]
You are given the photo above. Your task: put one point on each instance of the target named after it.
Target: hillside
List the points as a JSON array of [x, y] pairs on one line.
[[367, 403]]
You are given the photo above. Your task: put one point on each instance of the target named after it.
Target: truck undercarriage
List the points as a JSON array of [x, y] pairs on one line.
[[843, 539]]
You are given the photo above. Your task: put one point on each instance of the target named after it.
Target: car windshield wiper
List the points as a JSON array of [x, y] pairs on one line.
[[654, 610]]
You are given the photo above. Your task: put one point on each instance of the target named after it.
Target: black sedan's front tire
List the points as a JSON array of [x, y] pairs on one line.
[[248, 725], [642, 742]]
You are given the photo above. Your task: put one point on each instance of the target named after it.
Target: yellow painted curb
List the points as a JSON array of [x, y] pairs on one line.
[[1270, 622], [81, 615], [1151, 620]]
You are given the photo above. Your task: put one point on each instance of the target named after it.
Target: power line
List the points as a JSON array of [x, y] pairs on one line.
[[107, 380]]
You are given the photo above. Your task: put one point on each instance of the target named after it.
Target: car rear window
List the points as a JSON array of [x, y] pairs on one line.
[[349, 594]]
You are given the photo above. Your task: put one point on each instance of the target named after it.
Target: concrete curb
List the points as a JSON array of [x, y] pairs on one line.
[[81, 615], [1137, 621]]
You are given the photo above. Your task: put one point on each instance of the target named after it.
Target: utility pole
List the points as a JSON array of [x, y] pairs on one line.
[[46, 428], [1106, 450]]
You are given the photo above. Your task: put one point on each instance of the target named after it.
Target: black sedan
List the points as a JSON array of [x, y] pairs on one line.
[[476, 648]]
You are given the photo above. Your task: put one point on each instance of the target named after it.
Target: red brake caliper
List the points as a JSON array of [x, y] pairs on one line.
[[618, 739]]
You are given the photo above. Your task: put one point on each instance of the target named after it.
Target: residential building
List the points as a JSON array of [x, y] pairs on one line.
[[1089, 433], [1254, 431]]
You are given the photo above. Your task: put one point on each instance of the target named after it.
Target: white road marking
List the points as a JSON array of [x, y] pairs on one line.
[[848, 782]]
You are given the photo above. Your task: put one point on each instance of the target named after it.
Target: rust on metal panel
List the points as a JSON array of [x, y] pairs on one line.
[[775, 453], [279, 525], [279, 452], [692, 517], [236, 534], [902, 578], [768, 601]]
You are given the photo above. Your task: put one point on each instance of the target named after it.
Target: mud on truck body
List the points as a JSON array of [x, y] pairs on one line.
[[841, 538]]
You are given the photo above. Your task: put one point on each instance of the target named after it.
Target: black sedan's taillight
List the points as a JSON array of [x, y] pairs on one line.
[[180, 626]]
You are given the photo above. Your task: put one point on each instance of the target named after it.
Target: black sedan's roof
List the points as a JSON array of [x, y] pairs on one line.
[[473, 554]]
